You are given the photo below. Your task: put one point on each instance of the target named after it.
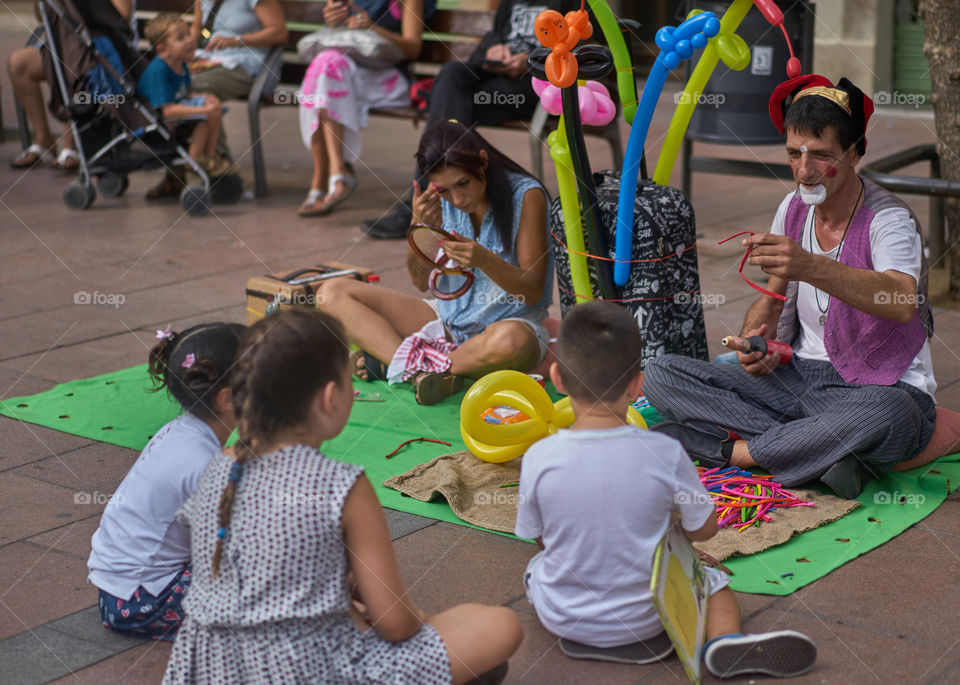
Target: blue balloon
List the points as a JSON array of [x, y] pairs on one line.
[[676, 44]]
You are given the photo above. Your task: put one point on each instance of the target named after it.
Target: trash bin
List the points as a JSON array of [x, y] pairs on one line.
[[733, 109]]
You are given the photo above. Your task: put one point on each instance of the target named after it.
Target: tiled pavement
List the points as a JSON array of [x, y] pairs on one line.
[[889, 616]]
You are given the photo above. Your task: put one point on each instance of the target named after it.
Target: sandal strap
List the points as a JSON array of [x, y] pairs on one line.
[[35, 149], [67, 153], [313, 195], [348, 181]]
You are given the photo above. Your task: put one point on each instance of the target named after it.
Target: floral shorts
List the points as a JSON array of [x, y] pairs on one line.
[[146, 615]]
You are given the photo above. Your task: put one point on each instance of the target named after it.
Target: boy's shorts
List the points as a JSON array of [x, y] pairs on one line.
[[718, 580]]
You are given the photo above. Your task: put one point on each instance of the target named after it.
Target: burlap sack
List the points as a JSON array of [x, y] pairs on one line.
[[473, 489]]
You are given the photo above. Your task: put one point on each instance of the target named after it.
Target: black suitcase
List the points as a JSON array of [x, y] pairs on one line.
[[663, 292]]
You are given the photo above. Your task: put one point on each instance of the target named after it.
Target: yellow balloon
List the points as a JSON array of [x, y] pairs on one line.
[[498, 444]]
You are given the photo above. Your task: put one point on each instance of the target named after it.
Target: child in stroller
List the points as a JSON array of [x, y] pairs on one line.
[[166, 83], [93, 75]]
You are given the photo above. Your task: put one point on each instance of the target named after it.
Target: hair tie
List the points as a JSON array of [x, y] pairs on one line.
[[189, 360], [222, 533], [235, 472], [165, 334]]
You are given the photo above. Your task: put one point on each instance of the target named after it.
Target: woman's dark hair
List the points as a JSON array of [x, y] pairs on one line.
[[450, 143], [283, 361], [195, 364]]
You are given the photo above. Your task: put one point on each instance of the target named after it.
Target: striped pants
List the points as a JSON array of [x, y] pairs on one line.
[[799, 420]]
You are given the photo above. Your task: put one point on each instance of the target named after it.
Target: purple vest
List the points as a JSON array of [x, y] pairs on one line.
[[864, 349]]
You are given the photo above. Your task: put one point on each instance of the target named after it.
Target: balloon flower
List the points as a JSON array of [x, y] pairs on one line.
[[596, 105], [500, 443]]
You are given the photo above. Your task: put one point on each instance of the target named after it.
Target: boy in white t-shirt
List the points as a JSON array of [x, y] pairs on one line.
[[598, 498]]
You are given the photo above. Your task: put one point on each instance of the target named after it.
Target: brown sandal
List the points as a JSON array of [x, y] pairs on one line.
[[432, 388]]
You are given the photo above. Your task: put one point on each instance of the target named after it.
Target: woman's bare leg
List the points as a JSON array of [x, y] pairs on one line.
[[503, 345], [333, 138], [25, 67], [376, 318]]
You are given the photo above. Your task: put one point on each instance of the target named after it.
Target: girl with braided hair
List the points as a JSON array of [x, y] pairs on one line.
[[140, 557], [294, 575]]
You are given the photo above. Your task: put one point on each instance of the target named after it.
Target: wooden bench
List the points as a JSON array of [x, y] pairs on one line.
[[451, 34]]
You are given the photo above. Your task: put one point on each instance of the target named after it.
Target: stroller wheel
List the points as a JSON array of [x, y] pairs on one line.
[[227, 189], [195, 200], [112, 184], [79, 196]]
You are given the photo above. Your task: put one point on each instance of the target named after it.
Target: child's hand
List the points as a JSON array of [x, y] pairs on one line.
[[211, 105], [426, 205]]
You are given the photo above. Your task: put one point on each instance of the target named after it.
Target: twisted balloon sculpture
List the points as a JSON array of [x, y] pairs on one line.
[[676, 44], [735, 53]]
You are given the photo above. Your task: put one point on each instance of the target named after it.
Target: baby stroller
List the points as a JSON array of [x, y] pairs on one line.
[[92, 70]]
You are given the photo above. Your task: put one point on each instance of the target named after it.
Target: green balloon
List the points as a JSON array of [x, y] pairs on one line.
[[733, 51]]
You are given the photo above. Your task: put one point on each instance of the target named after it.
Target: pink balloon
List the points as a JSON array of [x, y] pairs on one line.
[[588, 106], [596, 106], [606, 110], [551, 100], [598, 88], [539, 85]]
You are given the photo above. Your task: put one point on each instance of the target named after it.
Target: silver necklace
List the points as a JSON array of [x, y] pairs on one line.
[[813, 230]]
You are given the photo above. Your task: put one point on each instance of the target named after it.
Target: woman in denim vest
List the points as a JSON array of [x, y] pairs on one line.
[[497, 215]]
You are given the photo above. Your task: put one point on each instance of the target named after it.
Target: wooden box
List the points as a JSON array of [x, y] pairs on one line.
[[267, 294]]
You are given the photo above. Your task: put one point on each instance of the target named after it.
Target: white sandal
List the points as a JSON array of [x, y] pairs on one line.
[[67, 154], [349, 181], [313, 196], [42, 155]]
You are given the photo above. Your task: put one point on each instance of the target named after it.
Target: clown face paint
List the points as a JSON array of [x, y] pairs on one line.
[[813, 196]]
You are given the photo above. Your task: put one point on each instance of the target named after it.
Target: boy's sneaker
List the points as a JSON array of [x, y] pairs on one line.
[[644, 652], [781, 653]]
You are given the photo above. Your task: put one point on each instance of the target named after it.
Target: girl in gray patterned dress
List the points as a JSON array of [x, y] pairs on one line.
[[281, 535]]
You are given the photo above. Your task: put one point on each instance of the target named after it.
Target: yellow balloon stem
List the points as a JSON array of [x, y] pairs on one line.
[[698, 80], [573, 225], [626, 84]]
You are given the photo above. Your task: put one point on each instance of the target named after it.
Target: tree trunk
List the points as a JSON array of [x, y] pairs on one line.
[[941, 21]]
